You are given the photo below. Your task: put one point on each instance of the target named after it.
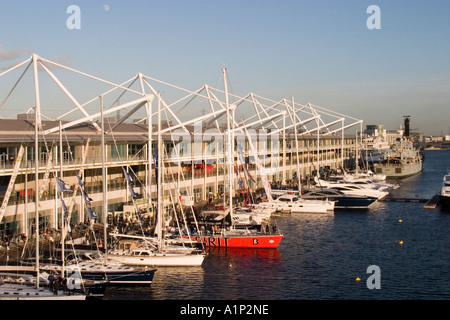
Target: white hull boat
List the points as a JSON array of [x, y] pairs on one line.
[[142, 251], [353, 189], [164, 259], [250, 216], [294, 204], [10, 291]]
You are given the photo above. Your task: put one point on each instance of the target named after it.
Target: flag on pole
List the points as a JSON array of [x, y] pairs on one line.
[[80, 181], [62, 186], [86, 198], [155, 159], [66, 217], [127, 176], [91, 214], [133, 194]]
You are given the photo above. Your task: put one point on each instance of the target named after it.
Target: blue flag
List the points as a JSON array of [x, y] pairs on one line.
[[62, 186], [66, 216], [133, 194], [127, 176], [155, 159], [91, 213], [86, 198], [80, 181]]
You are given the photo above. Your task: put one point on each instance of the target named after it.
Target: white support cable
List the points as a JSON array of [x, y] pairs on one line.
[[95, 98], [16, 66], [141, 101], [15, 85], [91, 76], [69, 95]]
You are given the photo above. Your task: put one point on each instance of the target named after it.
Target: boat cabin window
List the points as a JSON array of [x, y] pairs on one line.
[[288, 199], [141, 253]]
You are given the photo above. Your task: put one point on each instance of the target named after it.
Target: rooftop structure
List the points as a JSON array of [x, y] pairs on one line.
[[100, 127]]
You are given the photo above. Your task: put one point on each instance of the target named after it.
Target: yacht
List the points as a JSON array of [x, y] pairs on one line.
[[294, 204], [353, 189], [342, 200], [444, 193]]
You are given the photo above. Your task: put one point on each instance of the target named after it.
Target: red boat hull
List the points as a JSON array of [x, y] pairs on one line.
[[250, 241]]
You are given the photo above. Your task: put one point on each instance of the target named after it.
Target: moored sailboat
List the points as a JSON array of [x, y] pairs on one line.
[[25, 291], [155, 252], [261, 236]]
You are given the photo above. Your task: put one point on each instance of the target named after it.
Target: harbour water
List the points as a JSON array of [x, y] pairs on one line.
[[321, 256]]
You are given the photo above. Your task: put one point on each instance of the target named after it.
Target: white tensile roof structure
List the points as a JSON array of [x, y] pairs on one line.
[[52, 91], [137, 97]]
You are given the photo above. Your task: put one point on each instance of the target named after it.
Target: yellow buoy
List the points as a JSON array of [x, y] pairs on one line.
[[400, 220], [400, 242], [358, 279]]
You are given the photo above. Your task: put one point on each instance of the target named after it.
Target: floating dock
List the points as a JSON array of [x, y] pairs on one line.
[[432, 203], [405, 200]]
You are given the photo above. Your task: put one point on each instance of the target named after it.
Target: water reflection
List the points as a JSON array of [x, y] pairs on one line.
[[242, 273], [321, 255], [181, 283]]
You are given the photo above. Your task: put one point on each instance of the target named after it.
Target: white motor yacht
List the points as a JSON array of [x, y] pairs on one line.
[[294, 204]]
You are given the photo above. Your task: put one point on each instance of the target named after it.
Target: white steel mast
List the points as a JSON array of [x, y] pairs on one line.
[[230, 141], [37, 125], [160, 215]]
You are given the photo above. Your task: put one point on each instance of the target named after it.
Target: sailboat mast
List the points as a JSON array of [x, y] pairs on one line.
[[296, 147], [63, 227], [160, 216], [37, 124], [105, 206], [230, 141], [36, 188]]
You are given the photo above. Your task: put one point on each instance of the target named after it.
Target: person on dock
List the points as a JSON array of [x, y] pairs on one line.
[[56, 285]]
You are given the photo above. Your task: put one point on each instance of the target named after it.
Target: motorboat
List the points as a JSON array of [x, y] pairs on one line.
[[342, 200], [294, 204], [352, 189], [445, 189], [444, 193]]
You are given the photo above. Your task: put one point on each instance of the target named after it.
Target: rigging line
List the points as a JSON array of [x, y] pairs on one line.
[[68, 146], [246, 190], [62, 220], [137, 179], [182, 177], [111, 132], [194, 95], [181, 206], [176, 216], [121, 95], [15, 85]]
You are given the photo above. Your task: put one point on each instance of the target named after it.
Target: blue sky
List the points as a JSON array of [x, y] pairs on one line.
[[317, 51]]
